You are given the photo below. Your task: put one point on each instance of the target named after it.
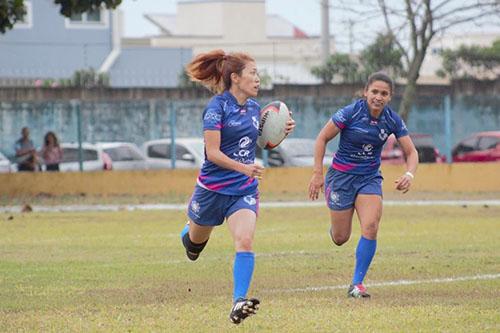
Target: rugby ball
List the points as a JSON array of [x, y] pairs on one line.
[[273, 118]]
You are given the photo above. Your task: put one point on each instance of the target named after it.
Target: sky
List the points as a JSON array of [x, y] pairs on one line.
[[305, 14]]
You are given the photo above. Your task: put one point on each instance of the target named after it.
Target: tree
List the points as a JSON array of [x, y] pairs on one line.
[[337, 64], [184, 81], [415, 23], [470, 61], [382, 55], [424, 20], [12, 11], [89, 78], [71, 7]]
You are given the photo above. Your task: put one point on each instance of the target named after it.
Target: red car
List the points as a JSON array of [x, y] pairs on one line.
[[427, 151], [479, 147]]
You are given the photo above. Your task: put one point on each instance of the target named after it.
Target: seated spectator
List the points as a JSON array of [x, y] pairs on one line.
[[51, 152], [26, 156]]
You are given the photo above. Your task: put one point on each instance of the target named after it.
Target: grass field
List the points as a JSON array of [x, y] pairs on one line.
[[126, 271]]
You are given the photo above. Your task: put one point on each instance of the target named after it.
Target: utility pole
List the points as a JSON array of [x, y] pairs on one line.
[[351, 36], [325, 31]]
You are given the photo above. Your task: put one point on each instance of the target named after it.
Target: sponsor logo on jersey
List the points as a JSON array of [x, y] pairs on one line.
[[383, 134], [234, 123], [255, 122], [404, 125], [335, 197], [367, 148], [341, 116], [245, 142], [195, 206], [242, 155], [250, 200], [212, 115]]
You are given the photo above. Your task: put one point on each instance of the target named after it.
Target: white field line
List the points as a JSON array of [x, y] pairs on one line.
[[284, 204], [392, 283]]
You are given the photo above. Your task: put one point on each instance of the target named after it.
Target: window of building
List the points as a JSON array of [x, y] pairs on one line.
[[27, 21], [96, 18]]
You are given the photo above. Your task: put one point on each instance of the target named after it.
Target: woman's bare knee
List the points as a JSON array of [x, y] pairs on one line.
[[370, 230], [243, 243], [340, 230], [340, 240]]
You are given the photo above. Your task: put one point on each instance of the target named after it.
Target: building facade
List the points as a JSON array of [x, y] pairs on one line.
[[47, 46], [282, 51]]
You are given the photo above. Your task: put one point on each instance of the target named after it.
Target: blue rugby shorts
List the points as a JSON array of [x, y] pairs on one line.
[[342, 188], [210, 208]]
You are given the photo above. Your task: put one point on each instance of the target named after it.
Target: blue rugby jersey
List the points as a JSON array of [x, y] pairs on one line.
[[363, 136], [238, 125]]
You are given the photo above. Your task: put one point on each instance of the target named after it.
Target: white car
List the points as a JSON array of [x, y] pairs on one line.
[[127, 156], [295, 152], [93, 157], [5, 164], [189, 152]]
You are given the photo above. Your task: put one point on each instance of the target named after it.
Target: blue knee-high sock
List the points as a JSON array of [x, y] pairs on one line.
[[185, 230], [242, 272], [364, 255]]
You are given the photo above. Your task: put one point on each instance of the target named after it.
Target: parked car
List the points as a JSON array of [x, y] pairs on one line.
[[189, 152], [5, 164], [94, 158], [294, 152], [127, 156], [479, 147], [427, 151]]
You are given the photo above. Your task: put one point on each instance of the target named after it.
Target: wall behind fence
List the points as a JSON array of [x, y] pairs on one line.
[[138, 116], [287, 182]]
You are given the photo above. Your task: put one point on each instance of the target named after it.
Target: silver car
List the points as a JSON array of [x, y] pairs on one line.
[[294, 152], [127, 156], [93, 158], [5, 164], [189, 152]]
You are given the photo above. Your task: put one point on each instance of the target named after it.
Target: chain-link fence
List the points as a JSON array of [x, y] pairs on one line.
[[143, 120]]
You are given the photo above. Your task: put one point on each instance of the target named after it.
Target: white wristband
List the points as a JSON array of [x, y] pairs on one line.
[[409, 174]]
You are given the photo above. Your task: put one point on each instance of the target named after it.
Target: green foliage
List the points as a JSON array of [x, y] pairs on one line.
[[266, 80], [382, 55], [72, 7], [84, 78], [11, 11], [185, 81], [339, 64], [89, 78], [470, 61]]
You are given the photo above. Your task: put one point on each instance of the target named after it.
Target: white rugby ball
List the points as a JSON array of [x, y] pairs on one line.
[[273, 118]]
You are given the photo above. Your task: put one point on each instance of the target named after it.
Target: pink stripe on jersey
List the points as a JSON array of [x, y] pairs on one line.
[[214, 187], [340, 125], [218, 126], [342, 167], [250, 181]]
